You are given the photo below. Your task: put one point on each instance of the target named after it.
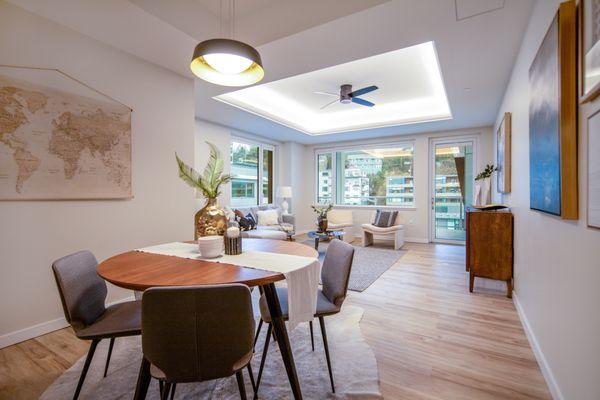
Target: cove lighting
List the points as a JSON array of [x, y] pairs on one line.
[[411, 90]]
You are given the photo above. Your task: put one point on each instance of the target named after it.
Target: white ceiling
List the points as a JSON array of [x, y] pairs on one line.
[[256, 21], [410, 90], [476, 52]]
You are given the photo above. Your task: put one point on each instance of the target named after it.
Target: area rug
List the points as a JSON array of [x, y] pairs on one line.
[[354, 369], [369, 262]]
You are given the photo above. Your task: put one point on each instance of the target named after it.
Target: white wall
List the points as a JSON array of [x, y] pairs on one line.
[[557, 267], [416, 220], [34, 233]]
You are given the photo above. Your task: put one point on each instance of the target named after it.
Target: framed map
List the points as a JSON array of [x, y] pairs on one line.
[[61, 139]]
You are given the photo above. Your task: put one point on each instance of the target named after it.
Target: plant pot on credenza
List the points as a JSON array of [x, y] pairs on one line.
[[210, 220], [322, 223]]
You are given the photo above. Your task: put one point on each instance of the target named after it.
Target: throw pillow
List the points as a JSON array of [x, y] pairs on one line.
[[385, 219], [251, 220], [268, 217], [246, 223]]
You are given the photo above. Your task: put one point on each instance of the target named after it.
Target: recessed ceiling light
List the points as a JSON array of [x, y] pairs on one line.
[[411, 90]]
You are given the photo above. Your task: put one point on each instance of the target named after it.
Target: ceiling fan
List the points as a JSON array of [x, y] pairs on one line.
[[346, 96]]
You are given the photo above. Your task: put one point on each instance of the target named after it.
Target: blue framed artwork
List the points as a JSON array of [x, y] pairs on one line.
[[553, 119]]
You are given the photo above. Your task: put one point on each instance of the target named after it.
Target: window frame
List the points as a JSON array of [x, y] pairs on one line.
[[261, 147], [333, 150]]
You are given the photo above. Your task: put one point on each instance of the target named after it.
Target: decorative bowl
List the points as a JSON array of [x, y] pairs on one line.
[[210, 246]]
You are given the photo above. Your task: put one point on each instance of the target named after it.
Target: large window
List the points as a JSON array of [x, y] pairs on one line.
[[366, 177], [252, 174]]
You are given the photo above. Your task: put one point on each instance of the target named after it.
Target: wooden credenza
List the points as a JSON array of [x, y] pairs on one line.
[[490, 246]]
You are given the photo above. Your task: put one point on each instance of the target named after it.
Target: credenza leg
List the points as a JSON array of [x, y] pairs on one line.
[[509, 288], [471, 281]]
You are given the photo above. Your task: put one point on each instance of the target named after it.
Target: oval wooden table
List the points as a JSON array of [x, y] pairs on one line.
[[139, 271]]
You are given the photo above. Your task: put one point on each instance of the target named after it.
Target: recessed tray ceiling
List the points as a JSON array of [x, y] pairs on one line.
[[411, 90]]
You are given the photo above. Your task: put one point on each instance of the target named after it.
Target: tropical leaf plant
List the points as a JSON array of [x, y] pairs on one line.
[[209, 183]]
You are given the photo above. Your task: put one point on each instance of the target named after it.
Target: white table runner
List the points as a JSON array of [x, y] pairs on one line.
[[301, 273]]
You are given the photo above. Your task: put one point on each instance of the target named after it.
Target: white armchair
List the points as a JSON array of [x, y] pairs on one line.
[[396, 231], [341, 220]]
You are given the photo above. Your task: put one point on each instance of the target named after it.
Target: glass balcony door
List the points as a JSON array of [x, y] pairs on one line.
[[452, 189]]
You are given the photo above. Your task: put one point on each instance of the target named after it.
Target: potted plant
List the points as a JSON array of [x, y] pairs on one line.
[[322, 210], [211, 219], [483, 190]]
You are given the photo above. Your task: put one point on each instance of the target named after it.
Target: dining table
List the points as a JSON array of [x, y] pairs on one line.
[[139, 271]]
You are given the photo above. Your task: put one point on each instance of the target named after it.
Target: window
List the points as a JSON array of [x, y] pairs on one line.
[[251, 163], [367, 177], [324, 172]]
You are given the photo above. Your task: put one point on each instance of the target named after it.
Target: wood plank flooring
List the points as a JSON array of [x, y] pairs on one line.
[[431, 337]]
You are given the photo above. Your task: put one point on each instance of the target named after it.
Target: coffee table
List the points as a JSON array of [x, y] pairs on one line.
[[325, 235]]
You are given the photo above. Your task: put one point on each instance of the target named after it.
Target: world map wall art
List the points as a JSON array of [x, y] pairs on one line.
[[61, 139]]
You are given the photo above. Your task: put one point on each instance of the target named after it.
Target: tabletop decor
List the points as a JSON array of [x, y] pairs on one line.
[[322, 210], [233, 241], [483, 190], [211, 219], [210, 246]]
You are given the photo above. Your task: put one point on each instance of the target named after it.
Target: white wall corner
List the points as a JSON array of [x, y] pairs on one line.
[[537, 351]]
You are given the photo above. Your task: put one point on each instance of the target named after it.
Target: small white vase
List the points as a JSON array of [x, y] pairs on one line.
[[483, 192]]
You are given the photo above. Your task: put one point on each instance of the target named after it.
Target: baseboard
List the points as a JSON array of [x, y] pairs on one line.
[[387, 239], [416, 240], [34, 331], [537, 351]]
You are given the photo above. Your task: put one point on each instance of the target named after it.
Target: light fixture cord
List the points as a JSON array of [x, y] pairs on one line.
[[220, 18]]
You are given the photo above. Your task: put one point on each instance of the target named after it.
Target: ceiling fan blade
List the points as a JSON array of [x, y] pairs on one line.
[[362, 91], [362, 102], [330, 103], [328, 94]]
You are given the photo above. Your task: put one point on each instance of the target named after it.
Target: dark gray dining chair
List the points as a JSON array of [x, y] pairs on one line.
[[197, 333], [335, 275], [83, 295]]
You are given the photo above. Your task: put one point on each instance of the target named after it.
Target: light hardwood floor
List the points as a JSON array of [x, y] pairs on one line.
[[431, 337]]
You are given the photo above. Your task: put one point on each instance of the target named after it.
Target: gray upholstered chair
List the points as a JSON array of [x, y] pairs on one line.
[[335, 275], [83, 295], [196, 334]]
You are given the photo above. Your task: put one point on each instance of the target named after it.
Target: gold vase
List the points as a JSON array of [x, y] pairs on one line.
[[211, 220]]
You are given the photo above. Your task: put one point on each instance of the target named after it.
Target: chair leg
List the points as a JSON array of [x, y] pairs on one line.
[[240, 381], [312, 337], [110, 347], [161, 387], [173, 390], [324, 333], [257, 333], [86, 366], [251, 375], [263, 359], [164, 395]]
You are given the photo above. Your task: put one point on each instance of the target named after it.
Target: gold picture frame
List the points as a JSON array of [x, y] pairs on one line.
[[503, 154]]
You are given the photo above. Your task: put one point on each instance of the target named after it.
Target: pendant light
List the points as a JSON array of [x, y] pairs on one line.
[[227, 62]]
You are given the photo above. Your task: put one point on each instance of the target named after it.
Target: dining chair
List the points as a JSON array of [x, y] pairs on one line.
[[83, 295], [197, 334], [335, 275]]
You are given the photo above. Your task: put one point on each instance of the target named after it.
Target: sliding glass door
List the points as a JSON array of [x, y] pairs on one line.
[[452, 189]]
